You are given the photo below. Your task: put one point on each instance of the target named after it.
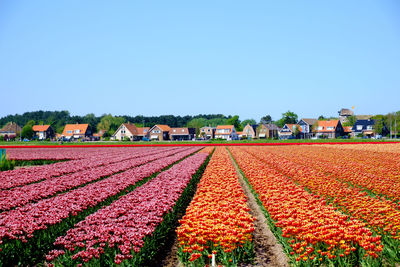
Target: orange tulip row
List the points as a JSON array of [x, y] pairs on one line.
[[217, 220], [371, 171], [381, 215], [312, 231]]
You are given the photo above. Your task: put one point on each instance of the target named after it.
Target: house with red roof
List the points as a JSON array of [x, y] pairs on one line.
[[227, 132], [125, 131], [130, 131], [76, 131], [328, 129], [43, 132], [159, 132]]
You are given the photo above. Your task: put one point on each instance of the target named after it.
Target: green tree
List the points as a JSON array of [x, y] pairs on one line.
[[110, 123], [266, 119], [27, 131], [248, 121], [351, 120], [197, 123], [321, 118], [214, 122], [235, 122], [288, 117]]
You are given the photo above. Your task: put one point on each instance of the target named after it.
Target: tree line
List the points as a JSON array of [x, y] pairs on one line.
[[110, 123]]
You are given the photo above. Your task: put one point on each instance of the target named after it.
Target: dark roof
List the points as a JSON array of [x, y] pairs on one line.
[[364, 123]]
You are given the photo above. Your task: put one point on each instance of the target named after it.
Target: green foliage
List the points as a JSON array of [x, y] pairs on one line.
[[351, 120], [248, 121], [27, 132], [197, 123], [110, 123], [321, 118], [288, 117], [235, 122], [266, 119], [6, 164]]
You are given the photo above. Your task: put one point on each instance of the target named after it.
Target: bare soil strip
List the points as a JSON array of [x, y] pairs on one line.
[[267, 249]]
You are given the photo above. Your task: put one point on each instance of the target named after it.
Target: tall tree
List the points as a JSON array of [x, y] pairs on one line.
[[27, 131], [235, 122], [288, 117], [266, 119]]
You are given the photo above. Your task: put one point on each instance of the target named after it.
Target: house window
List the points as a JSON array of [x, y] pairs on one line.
[[369, 127], [330, 128], [174, 130], [156, 131], [359, 127], [69, 131], [77, 131], [320, 128]]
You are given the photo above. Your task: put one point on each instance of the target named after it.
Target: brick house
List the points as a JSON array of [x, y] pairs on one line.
[[329, 129], [207, 132], [76, 131], [159, 132], [43, 131], [267, 130]]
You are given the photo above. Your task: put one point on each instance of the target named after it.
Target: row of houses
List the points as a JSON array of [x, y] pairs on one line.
[[313, 128], [304, 129]]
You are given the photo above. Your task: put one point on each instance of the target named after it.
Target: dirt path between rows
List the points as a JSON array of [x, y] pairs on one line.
[[268, 251]]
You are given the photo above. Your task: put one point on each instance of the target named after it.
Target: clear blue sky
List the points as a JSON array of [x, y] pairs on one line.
[[249, 58]]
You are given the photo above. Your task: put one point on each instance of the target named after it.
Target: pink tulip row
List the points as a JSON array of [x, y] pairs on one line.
[[20, 196], [125, 222], [22, 222], [25, 176], [58, 153]]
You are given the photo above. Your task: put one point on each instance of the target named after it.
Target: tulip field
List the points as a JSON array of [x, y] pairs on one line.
[[326, 205]]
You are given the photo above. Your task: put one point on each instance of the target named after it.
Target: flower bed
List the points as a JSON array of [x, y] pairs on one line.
[[20, 196], [121, 230], [217, 220], [311, 232], [27, 233], [381, 215]]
